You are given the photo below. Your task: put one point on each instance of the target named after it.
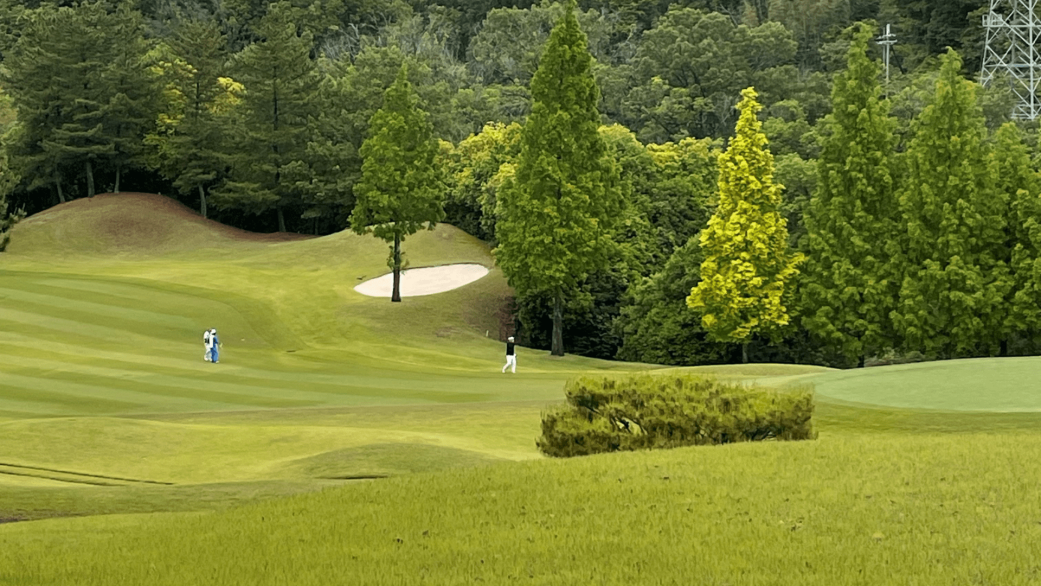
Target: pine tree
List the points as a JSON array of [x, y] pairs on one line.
[[557, 212], [129, 110], [84, 50], [1021, 184], [747, 262], [191, 124], [846, 289], [401, 188], [269, 159], [953, 279], [54, 75]]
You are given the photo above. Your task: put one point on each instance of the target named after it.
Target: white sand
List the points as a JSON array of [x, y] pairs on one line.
[[425, 281]]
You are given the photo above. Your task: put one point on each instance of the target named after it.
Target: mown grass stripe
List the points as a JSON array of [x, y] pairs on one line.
[[37, 394], [70, 326], [116, 400], [92, 309], [152, 391], [228, 385], [128, 326], [326, 383]]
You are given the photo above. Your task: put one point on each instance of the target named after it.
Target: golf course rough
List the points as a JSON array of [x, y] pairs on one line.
[[125, 458]]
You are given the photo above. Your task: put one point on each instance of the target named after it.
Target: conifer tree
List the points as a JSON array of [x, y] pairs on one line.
[[747, 262], [556, 214], [269, 159], [1020, 183], [846, 289], [954, 280], [401, 188], [129, 111], [54, 75], [190, 125]]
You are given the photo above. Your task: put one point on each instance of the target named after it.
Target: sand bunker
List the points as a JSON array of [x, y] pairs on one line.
[[425, 281]]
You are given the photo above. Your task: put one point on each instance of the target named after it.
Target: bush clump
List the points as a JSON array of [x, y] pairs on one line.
[[606, 414]]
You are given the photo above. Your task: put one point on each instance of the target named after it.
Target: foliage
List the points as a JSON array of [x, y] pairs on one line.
[[954, 278], [747, 262], [268, 158], [557, 212], [660, 412], [690, 67], [197, 99], [71, 84], [477, 170], [848, 289], [400, 190], [656, 325], [1018, 180]]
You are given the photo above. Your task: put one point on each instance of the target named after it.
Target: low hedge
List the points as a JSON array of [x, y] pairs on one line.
[[606, 414]]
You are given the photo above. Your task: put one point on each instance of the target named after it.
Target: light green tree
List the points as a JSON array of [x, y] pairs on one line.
[[747, 262], [556, 214], [954, 279], [401, 189], [474, 164], [847, 289], [1021, 184]]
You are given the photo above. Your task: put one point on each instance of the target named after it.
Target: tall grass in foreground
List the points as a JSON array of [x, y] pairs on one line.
[[844, 510]]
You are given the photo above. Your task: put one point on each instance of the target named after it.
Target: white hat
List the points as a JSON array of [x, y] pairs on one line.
[[510, 338]]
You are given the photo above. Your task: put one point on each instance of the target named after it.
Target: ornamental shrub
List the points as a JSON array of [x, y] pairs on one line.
[[605, 414]]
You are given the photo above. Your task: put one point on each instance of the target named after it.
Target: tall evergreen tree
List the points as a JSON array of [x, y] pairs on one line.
[[401, 188], [190, 128], [1020, 183], [129, 111], [269, 159], [847, 290], [747, 262], [54, 75], [557, 212], [954, 280]]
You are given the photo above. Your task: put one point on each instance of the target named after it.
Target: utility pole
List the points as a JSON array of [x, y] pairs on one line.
[[887, 40], [1010, 53]]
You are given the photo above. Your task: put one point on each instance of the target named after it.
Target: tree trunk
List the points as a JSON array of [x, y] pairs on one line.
[[119, 173], [557, 347], [61, 194], [860, 361], [744, 352], [395, 295], [281, 220], [202, 201], [90, 179], [1003, 350]]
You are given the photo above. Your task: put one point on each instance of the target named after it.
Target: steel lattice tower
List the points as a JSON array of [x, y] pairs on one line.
[[1011, 54]]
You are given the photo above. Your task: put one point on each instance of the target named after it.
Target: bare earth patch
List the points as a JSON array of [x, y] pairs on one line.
[[424, 281]]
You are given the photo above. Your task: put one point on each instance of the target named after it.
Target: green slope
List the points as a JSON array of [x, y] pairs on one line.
[[1004, 385]]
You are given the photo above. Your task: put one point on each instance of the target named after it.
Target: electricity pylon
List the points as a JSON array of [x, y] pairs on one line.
[[1010, 54]]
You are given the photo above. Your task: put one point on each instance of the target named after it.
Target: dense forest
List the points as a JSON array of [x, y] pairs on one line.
[[898, 218]]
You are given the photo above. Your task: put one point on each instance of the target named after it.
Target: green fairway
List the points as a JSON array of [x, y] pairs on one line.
[[991, 384], [345, 439]]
